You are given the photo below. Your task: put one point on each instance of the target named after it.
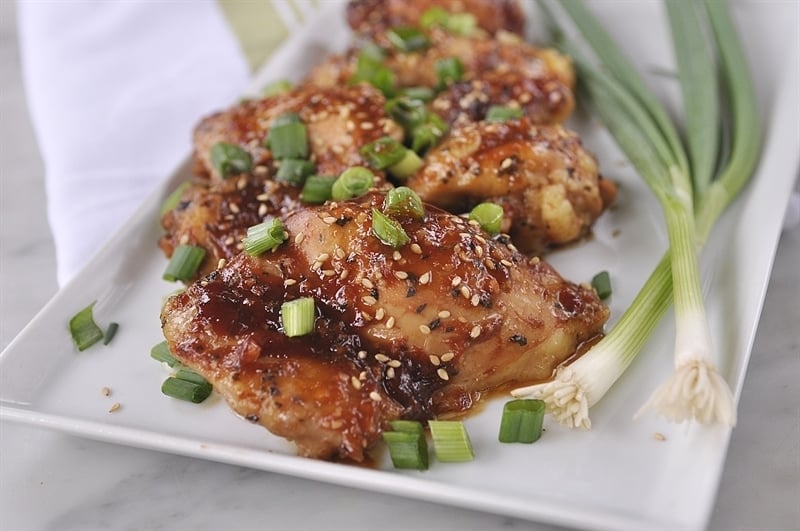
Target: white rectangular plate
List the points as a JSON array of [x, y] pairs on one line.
[[616, 476]]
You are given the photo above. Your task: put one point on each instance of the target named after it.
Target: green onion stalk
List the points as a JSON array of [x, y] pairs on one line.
[[693, 194]]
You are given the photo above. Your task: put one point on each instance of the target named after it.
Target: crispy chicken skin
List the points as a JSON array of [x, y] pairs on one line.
[[504, 69], [418, 332], [547, 183], [372, 18], [340, 119]]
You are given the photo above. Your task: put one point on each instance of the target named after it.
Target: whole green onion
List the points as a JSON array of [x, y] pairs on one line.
[[264, 237], [353, 182], [229, 159], [83, 329], [185, 262]]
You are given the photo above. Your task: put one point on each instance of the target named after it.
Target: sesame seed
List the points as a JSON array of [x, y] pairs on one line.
[[234, 208], [379, 314], [114, 407], [362, 354], [383, 358], [184, 239], [390, 373], [355, 382], [367, 126], [479, 251], [475, 332], [434, 360], [106, 391], [444, 314], [465, 292], [447, 356], [241, 184], [366, 316], [375, 396], [328, 272], [507, 162], [289, 282], [506, 263], [415, 248], [240, 246], [369, 300], [394, 363], [336, 424], [221, 263], [480, 238], [443, 374], [316, 265], [425, 329], [533, 261], [474, 223], [323, 257], [362, 375], [390, 322], [260, 170], [262, 197], [339, 253], [402, 275], [329, 220], [262, 209], [367, 283], [425, 278], [344, 274], [513, 247], [659, 436], [229, 240], [396, 256], [475, 299], [456, 281]]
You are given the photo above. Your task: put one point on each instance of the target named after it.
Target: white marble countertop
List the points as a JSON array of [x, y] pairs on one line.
[[51, 481]]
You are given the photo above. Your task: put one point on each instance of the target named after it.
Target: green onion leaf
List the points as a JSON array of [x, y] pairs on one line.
[[295, 171], [522, 421], [317, 189], [449, 70], [188, 375], [458, 23], [298, 316], [451, 441], [185, 261], [264, 237], [186, 390], [403, 201], [499, 113], [174, 199], [83, 329], [353, 182], [288, 138], [601, 283], [281, 86], [111, 331], [407, 450], [408, 39], [383, 153], [161, 353], [230, 159], [407, 166], [425, 94], [387, 230], [489, 215]]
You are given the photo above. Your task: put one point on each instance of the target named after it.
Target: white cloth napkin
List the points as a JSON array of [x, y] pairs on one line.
[[114, 90]]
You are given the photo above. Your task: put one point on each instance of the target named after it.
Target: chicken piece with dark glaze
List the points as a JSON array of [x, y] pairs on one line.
[[416, 332], [497, 71], [339, 119], [547, 183], [373, 18]]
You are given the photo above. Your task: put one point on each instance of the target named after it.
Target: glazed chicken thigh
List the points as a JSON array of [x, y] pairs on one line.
[[413, 332]]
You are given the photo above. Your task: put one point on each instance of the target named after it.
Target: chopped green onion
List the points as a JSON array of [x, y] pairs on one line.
[[317, 189], [186, 390], [383, 152], [288, 138], [370, 68], [601, 283], [353, 182], [499, 113], [451, 441], [295, 171], [407, 166], [298, 316], [387, 230], [407, 112], [403, 201], [489, 215], [371, 54], [185, 261], [264, 237], [281, 86], [428, 134], [407, 426], [174, 199], [229, 159], [425, 94], [408, 39], [408, 450], [188, 375], [449, 70], [111, 331], [458, 23], [161, 353], [522, 421], [83, 329]]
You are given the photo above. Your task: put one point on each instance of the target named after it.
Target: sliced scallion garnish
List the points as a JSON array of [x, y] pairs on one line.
[[408, 39], [449, 70], [458, 23], [298, 316], [489, 215], [186, 390], [370, 68], [281, 86], [230, 159], [425, 94], [500, 113], [185, 261], [408, 450], [111, 331], [407, 166], [317, 189], [383, 152], [295, 171], [406, 111], [403, 201], [174, 199], [288, 138], [264, 237], [451, 441], [83, 329], [188, 375], [387, 230], [353, 182], [522, 421], [160, 352], [601, 283], [427, 135]]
